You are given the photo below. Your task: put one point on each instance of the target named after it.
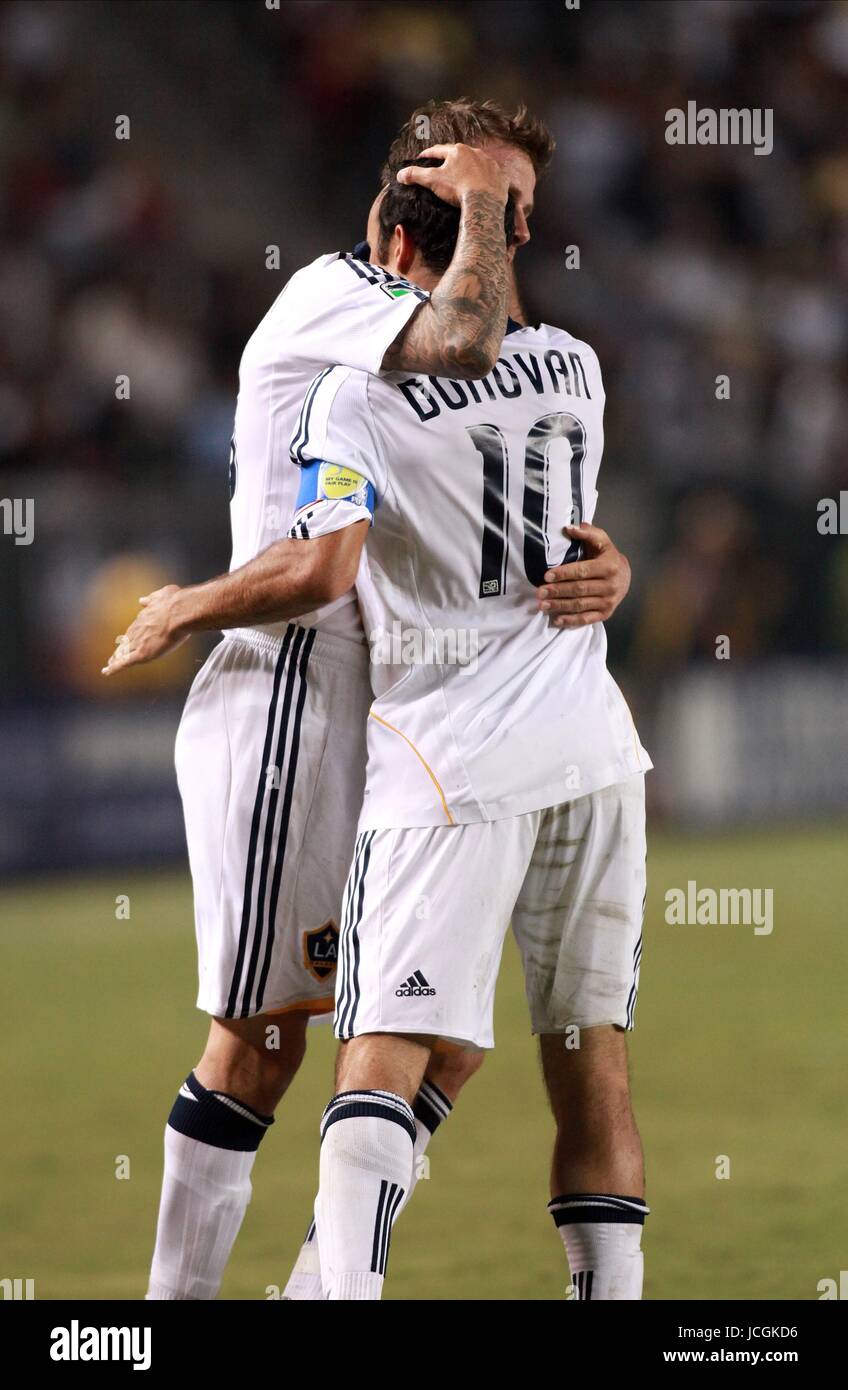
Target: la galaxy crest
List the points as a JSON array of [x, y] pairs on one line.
[[321, 950]]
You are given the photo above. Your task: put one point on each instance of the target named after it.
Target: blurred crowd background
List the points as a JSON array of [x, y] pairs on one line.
[[251, 127]]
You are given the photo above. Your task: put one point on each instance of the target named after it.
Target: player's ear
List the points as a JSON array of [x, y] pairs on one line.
[[405, 250]]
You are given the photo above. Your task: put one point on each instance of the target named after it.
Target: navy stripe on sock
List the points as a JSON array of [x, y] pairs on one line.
[[582, 1285], [437, 1094], [376, 1248], [214, 1118], [365, 1104], [431, 1106], [394, 1207], [568, 1209], [391, 1196]]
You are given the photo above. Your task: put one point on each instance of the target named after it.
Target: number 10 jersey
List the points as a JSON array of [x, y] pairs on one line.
[[482, 709]]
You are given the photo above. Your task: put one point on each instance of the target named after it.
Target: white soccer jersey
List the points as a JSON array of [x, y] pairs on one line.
[[338, 309], [482, 708]]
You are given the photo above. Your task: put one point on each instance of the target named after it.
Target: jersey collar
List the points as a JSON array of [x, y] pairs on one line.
[[362, 252]]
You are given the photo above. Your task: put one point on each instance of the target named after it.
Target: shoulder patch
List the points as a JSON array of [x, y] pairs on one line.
[[392, 285], [396, 291]]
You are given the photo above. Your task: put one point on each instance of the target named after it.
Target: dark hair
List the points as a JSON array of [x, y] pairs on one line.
[[432, 223], [469, 123]]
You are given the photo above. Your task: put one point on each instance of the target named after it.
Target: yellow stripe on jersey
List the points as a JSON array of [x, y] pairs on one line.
[[430, 773]]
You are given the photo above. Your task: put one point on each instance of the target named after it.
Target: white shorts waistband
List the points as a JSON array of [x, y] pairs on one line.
[[327, 647]]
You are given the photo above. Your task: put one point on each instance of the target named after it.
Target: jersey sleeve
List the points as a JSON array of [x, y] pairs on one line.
[[336, 447], [346, 311]]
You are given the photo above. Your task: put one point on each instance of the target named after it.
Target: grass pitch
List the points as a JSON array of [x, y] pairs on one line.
[[740, 1051]]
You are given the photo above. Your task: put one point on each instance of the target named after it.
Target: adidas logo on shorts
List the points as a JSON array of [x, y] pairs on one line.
[[414, 987]]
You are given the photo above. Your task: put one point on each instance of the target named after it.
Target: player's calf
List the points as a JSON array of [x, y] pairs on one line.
[[448, 1070], [221, 1114], [597, 1175], [254, 1059], [450, 1067]]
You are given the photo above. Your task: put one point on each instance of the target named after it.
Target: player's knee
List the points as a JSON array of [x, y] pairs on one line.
[[287, 1063], [588, 1087], [382, 1061], [280, 1055], [587, 1116], [254, 1061], [450, 1067]]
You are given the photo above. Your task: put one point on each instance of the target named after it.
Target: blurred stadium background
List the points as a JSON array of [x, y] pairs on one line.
[[253, 127]]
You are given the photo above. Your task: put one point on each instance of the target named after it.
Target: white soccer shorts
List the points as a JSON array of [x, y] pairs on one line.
[[270, 762], [426, 912]]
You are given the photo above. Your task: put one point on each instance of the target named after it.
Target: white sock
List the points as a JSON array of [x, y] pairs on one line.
[[305, 1279], [367, 1140], [430, 1107], [602, 1235], [205, 1190]]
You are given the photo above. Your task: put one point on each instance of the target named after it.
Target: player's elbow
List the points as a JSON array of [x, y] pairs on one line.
[[469, 361]]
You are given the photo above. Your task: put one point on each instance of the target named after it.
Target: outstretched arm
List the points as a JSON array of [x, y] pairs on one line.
[[293, 577], [288, 579], [459, 331]]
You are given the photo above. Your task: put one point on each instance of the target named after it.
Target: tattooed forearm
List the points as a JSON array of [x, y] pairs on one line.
[[459, 331]]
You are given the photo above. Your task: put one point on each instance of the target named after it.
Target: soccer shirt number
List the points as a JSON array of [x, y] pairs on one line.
[[492, 447]]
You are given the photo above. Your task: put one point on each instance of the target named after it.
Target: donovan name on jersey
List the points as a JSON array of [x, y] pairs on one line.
[[482, 709]]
